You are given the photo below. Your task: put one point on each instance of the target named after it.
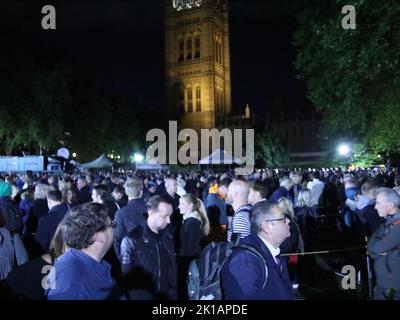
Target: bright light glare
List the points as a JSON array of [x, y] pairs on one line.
[[137, 157], [344, 149]]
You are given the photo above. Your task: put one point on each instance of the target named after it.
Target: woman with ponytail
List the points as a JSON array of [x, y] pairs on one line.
[[195, 226], [194, 230]]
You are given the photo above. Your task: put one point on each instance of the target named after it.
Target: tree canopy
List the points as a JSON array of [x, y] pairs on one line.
[[46, 103], [353, 75]]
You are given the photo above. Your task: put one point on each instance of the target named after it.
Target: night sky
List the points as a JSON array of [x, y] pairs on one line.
[[102, 36]]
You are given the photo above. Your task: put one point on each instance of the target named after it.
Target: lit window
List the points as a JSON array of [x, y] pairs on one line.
[[198, 98], [190, 98]]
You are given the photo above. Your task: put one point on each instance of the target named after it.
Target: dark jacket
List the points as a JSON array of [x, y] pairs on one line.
[[191, 238], [306, 222], [40, 207], [384, 248], [48, 225], [11, 214], [176, 218], [369, 218], [279, 193], [26, 280], [127, 219], [148, 264], [216, 209], [84, 195], [244, 273], [293, 243]]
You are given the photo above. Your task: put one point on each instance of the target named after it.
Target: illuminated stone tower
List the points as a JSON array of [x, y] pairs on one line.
[[198, 76]]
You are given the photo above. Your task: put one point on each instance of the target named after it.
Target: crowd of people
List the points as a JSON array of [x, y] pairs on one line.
[[132, 235]]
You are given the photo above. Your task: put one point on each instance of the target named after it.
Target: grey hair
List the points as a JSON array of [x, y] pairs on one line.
[[261, 210], [41, 191], [397, 189], [390, 196]]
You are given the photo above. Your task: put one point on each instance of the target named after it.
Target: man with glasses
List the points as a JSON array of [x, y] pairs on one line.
[[244, 274], [81, 273], [384, 246]]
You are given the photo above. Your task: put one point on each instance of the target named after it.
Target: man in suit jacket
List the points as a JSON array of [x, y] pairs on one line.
[[244, 273], [49, 222]]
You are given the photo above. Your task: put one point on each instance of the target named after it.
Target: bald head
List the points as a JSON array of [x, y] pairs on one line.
[[171, 186], [238, 193]]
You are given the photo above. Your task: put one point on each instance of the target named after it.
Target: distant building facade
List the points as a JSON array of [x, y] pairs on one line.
[[198, 74]]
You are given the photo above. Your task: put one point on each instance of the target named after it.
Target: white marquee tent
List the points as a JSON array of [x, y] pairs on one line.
[[220, 157]]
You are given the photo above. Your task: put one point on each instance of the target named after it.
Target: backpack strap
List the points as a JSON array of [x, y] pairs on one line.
[[218, 267], [207, 262], [253, 251]]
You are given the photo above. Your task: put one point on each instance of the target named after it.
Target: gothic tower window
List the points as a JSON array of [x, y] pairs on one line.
[[189, 48], [198, 98], [189, 95], [197, 47], [181, 50]]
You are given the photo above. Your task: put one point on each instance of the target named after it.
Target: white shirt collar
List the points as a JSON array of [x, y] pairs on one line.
[[271, 248]]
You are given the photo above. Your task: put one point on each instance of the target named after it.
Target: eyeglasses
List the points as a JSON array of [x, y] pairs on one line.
[[112, 225], [283, 219]]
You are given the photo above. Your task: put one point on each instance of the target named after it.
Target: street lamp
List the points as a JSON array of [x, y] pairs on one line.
[[344, 150], [137, 157]]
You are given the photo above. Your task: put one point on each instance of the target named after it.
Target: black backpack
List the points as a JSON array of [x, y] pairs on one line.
[[204, 272]]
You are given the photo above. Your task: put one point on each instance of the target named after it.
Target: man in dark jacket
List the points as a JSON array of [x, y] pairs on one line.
[[131, 216], [217, 210], [244, 273], [384, 246], [84, 194], [49, 222], [365, 209], [170, 195], [147, 256], [283, 191]]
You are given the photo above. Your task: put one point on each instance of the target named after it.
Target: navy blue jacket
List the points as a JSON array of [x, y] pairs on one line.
[[279, 193], [243, 275], [84, 195], [370, 219], [127, 219], [216, 209], [48, 225]]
